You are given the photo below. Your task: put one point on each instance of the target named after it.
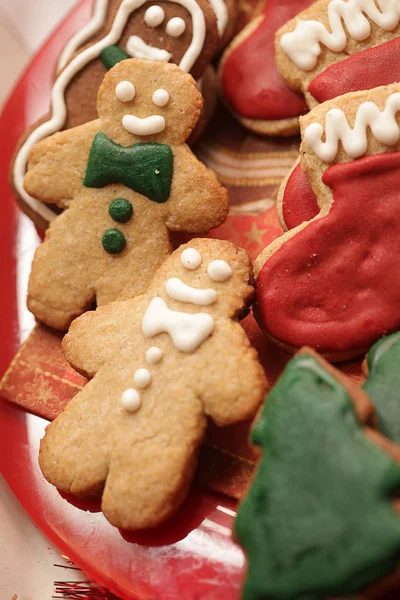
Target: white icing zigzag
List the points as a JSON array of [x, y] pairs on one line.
[[303, 45], [383, 125]]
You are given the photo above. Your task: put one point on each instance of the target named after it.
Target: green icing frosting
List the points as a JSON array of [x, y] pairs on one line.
[[383, 384], [120, 210], [112, 55], [113, 241], [146, 168], [318, 520]]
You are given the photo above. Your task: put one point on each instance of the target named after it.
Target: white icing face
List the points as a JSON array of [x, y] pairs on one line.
[[125, 91], [191, 259], [153, 355], [178, 290], [130, 400], [219, 271], [160, 97], [142, 378], [187, 331], [154, 16], [175, 27]]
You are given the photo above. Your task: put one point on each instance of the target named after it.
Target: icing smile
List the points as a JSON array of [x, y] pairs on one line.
[[137, 48], [146, 126]]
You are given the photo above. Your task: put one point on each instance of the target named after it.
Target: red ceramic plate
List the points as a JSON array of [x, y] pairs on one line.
[[193, 557]]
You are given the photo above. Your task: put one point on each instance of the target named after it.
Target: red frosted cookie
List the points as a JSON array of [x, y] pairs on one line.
[[250, 83], [335, 47], [333, 282]]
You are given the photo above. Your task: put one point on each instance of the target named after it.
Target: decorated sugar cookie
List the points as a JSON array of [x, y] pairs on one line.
[[160, 364], [340, 46], [333, 282], [127, 180], [320, 520], [251, 85], [185, 32]]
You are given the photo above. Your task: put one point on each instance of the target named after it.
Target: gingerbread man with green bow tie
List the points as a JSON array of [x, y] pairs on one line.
[[127, 180]]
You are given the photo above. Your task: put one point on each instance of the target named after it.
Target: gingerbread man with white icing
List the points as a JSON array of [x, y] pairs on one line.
[[126, 179], [160, 365]]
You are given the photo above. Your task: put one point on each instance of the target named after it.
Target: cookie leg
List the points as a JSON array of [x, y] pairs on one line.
[[59, 284], [149, 480]]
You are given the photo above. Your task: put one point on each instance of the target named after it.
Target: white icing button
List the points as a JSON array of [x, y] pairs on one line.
[[125, 91], [190, 258], [154, 16], [153, 355], [219, 270], [142, 378], [175, 27], [160, 97], [131, 400]]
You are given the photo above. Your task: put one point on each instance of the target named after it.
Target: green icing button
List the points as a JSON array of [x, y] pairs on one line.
[[112, 55], [318, 521], [113, 241], [121, 210]]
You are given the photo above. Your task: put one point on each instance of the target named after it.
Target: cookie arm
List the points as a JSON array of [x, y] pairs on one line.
[[57, 165], [233, 382], [97, 336], [198, 202]]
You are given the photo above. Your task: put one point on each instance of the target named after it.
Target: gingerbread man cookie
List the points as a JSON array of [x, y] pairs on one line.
[[320, 519], [340, 46], [161, 363], [333, 282], [250, 82], [127, 179], [185, 32]]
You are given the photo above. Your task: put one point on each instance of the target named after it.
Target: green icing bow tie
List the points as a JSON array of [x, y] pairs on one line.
[[145, 168]]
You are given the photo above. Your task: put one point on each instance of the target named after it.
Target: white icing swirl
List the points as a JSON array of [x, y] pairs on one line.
[[221, 12], [191, 259], [303, 45], [58, 106], [178, 290], [187, 331], [154, 16], [383, 125], [219, 271]]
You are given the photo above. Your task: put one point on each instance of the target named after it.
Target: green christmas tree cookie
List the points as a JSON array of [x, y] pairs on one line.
[[383, 384], [318, 520]]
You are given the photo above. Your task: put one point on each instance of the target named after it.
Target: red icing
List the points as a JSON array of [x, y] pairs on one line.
[[336, 284], [299, 202], [251, 82], [362, 71]]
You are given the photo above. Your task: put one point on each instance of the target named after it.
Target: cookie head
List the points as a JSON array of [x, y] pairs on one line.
[[143, 100], [214, 277]]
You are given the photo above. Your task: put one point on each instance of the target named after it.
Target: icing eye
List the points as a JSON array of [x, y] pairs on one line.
[[219, 271], [160, 97], [125, 91], [190, 259], [154, 16], [175, 27]]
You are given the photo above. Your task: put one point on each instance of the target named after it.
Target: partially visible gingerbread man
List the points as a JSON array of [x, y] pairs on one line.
[[161, 363], [128, 179]]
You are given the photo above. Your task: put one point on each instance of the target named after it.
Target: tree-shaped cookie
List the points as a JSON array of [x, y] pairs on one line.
[[340, 46], [127, 179], [333, 282], [319, 520], [383, 384], [161, 364], [251, 84]]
